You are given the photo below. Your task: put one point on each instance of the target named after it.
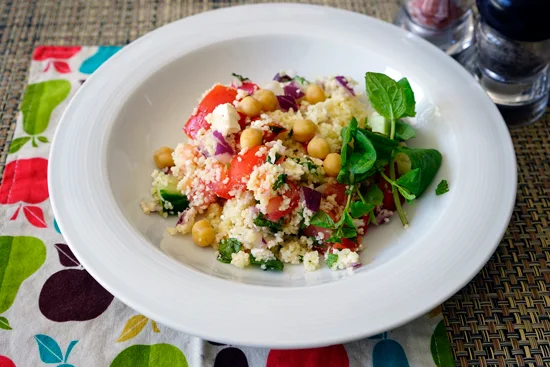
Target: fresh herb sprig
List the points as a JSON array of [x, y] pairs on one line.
[[241, 78]]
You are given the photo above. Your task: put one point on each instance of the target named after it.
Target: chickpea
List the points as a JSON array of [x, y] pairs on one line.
[[315, 94], [318, 148], [251, 137], [250, 106], [303, 130], [203, 233], [163, 157], [332, 164], [267, 99]]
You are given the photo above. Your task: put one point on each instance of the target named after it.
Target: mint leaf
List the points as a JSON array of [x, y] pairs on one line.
[[226, 247], [348, 232], [374, 195], [442, 188], [331, 259], [358, 209], [364, 155], [386, 95], [281, 180], [403, 131], [262, 221], [322, 219], [409, 97], [240, 77], [275, 264]]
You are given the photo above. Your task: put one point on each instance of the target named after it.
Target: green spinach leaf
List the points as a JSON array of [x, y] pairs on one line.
[[427, 163]]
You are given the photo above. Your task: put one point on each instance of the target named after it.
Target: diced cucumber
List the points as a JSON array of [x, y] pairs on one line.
[[171, 199], [378, 124]]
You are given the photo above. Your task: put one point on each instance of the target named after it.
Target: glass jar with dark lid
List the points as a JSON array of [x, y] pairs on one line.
[[513, 53]]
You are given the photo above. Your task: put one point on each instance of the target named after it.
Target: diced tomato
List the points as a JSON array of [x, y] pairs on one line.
[[273, 212], [338, 189], [352, 244], [386, 188], [274, 132], [218, 95], [366, 221], [220, 188], [241, 167], [313, 231]]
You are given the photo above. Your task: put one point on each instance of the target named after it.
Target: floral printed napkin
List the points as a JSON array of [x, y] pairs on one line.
[[52, 312]]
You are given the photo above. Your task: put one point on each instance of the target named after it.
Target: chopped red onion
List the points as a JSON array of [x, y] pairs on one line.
[[183, 218], [282, 78], [293, 90], [383, 215], [287, 102], [222, 146], [344, 83], [312, 198]]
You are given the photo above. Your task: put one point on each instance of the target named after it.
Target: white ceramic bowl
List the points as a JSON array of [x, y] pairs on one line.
[[100, 167]]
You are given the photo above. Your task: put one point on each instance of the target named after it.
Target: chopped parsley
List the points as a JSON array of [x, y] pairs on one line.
[[442, 188], [276, 129], [331, 260], [300, 79], [240, 77], [275, 264], [281, 180], [269, 160], [262, 221], [226, 248]]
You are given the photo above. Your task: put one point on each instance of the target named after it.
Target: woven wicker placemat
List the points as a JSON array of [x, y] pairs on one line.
[[501, 318]]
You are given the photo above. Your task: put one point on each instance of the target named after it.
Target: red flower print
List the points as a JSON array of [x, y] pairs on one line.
[[25, 180], [55, 52]]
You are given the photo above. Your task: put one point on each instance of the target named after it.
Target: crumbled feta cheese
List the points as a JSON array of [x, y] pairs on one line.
[[224, 119], [311, 261], [346, 259], [241, 259], [262, 254]]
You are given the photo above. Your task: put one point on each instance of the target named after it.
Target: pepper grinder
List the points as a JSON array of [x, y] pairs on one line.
[[448, 24], [512, 56]]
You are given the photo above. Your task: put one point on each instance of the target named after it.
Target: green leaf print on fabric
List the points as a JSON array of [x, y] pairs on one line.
[[389, 353], [20, 257], [440, 347], [39, 102], [4, 324], [16, 144], [156, 355], [50, 352]]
